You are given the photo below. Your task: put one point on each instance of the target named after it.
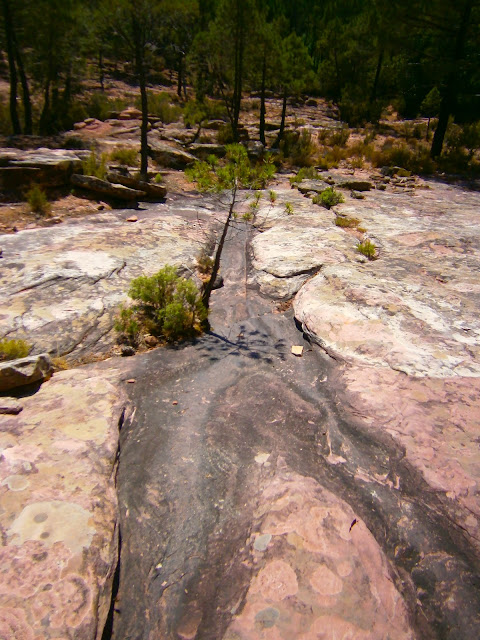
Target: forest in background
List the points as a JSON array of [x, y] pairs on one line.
[[423, 58]]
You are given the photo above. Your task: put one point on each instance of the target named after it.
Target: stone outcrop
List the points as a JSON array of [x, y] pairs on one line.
[[203, 150], [47, 167], [59, 518], [106, 188], [168, 156], [18, 373], [151, 189]]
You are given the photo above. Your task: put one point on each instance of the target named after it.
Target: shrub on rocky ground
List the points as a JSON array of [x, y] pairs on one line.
[[367, 248], [37, 200], [11, 349], [95, 166], [161, 105], [299, 148], [347, 223], [125, 155], [166, 306], [305, 173], [328, 198]]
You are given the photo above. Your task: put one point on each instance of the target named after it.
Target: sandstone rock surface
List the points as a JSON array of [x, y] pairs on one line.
[[59, 508], [61, 286], [151, 189]]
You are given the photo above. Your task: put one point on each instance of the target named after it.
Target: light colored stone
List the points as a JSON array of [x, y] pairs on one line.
[[170, 156], [297, 350]]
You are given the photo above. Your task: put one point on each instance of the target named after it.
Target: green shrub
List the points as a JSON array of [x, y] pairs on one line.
[[158, 179], [367, 248], [167, 306], [37, 200], [289, 208], [100, 106], [346, 223], [160, 105], [272, 196], [328, 198], [94, 166], [125, 155], [334, 137], [225, 134], [305, 173], [11, 349], [298, 148]]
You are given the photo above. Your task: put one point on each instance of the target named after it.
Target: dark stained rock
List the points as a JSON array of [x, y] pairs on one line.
[[152, 189], [353, 184], [215, 125], [10, 406], [105, 188], [18, 373]]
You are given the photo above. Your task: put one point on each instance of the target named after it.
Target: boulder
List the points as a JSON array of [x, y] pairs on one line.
[[315, 186], [104, 188], [130, 114], [169, 156], [18, 373], [152, 189], [204, 150], [214, 125], [255, 149]]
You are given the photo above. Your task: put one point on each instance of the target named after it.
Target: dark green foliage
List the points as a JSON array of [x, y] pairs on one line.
[[298, 148], [125, 155], [160, 105], [37, 200], [328, 198], [167, 306]]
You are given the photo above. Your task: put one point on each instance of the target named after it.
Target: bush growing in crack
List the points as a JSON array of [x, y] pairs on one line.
[[166, 306]]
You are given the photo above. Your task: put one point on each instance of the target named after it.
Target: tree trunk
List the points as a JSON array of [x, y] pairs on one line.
[[262, 100], [449, 99], [7, 17], [140, 64], [238, 81], [282, 122], [101, 70], [218, 254], [180, 75], [27, 102], [373, 95], [45, 115]]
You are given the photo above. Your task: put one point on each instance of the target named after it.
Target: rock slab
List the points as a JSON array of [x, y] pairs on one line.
[[59, 508]]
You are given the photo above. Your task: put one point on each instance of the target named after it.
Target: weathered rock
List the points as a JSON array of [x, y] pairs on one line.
[[151, 189], [255, 149], [130, 114], [10, 406], [352, 183], [59, 508], [60, 286], [311, 548], [47, 167], [127, 351], [105, 188], [18, 373], [168, 156], [205, 150], [215, 125], [315, 186]]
